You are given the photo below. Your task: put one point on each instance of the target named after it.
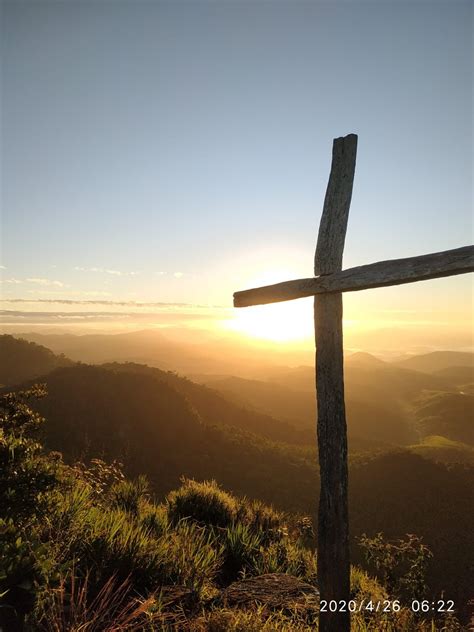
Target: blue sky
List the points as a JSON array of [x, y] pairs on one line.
[[177, 151]]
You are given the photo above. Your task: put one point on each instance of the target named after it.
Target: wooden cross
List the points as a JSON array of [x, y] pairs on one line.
[[327, 286]]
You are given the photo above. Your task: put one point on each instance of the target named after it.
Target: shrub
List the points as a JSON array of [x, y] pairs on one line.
[[154, 518], [286, 556], [263, 519], [190, 556], [114, 543], [99, 475], [240, 546], [27, 478], [130, 495], [364, 587], [204, 502], [401, 563], [304, 530], [69, 510], [24, 562], [25, 473]]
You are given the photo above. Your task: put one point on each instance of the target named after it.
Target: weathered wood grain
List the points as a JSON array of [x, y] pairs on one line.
[[333, 225], [333, 515], [380, 274]]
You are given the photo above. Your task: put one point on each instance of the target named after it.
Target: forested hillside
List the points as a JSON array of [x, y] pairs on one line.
[[154, 429], [22, 360]]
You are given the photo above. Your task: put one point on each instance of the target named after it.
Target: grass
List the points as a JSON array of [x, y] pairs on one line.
[[203, 502]]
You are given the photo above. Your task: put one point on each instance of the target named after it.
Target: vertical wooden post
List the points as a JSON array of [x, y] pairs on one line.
[[333, 520]]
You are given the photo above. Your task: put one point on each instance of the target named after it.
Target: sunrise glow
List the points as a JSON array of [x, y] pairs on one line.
[[281, 322]]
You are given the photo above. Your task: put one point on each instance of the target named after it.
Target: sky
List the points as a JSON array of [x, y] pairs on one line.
[[158, 156]]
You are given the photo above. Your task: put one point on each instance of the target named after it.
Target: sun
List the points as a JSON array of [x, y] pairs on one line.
[[278, 322], [281, 322]]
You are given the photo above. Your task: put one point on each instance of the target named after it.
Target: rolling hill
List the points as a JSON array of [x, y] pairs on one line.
[[438, 360], [450, 415], [436, 447], [21, 360], [118, 413], [175, 351], [386, 405], [370, 425], [380, 398], [460, 376], [216, 409]]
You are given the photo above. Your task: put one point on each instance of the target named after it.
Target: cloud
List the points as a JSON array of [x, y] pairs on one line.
[[165, 317], [105, 271], [35, 280], [64, 294], [3, 267], [12, 281], [178, 275], [48, 282], [66, 301]]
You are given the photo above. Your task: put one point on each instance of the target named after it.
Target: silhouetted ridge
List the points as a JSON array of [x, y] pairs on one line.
[[21, 360]]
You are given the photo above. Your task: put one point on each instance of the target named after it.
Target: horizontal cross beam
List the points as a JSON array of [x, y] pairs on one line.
[[380, 274]]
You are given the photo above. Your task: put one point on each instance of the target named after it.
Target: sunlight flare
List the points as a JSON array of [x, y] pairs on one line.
[[280, 323]]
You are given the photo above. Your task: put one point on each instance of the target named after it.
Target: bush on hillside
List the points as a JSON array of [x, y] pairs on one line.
[[130, 495], [203, 502], [401, 564]]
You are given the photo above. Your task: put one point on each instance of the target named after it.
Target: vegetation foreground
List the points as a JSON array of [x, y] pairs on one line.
[[85, 549]]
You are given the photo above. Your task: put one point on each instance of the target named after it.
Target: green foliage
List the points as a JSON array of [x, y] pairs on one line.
[[154, 518], [130, 495], [24, 562], [262, 519], [113, 543], [25, 473], [402, 564], [17, 417], [26, 477], [204, 502], [364, 587], [190, 556], [286, 556], [99, 475], [240, 547]]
